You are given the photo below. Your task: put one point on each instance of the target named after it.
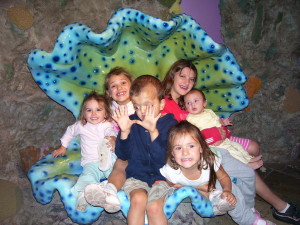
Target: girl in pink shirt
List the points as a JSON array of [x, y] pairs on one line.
[[93, 127]]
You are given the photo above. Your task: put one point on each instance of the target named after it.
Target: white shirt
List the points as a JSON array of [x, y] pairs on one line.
[[115, 105], [177, 177], [91, 136]]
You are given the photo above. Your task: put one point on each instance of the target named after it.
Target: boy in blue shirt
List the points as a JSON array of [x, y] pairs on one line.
[[142, 143]]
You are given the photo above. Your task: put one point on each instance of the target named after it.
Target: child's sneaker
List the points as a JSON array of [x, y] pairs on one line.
[[105, 156], [111, 196], [262, 221], [81, 203], [104, 195], [292, 215], [220, 206]]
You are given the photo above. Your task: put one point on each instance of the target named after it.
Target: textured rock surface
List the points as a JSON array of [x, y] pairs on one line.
[[264, 37]]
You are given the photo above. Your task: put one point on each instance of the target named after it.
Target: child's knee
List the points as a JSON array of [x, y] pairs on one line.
[[154, 208], [138, 199]]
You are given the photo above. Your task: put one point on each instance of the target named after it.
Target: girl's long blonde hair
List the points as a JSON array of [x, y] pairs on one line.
[[207, 157]]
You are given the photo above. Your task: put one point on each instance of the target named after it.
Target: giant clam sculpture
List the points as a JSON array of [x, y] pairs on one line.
[[143, 45]]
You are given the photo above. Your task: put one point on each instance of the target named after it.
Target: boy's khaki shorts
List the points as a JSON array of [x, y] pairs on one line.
[[157, 191]]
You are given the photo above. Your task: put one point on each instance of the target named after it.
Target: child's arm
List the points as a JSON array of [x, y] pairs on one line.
[[225, 182], [71, 132], [123, 121], [150, 121], [60, 151]]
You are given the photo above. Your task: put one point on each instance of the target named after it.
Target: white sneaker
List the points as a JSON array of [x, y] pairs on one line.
[[103, 195], [259, 220], [220, 206], [105, 156], [81, 203]]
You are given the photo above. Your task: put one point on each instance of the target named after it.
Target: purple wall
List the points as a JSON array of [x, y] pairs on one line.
[[207, 14]]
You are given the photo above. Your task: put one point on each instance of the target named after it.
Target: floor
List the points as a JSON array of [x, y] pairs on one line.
[[283, 179]]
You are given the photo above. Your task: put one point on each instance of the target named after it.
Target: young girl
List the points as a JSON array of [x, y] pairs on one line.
[[192, 163], [179, 80], [205, 119], [117, 86], [93, 127]]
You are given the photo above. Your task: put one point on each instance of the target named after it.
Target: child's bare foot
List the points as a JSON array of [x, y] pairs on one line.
[[255, 165], [256, 158]]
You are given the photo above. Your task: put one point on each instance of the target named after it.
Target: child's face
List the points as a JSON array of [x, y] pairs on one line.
[[147, 97], [118, 89], [186, 151], [94, 112], [184, 81], [194, 103]]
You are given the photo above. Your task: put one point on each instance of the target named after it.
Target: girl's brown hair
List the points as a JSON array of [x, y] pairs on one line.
[[207, 157], [101, 99], [169, 78]]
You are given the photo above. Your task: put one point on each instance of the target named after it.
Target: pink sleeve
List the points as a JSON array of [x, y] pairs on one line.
[[71, 132]]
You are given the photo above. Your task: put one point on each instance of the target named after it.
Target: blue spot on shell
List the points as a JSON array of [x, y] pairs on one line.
[[73, 69], [55, 59]]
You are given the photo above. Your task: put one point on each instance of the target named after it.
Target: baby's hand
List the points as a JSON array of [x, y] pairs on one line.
[[111, 143], [226, 121], [229, 197], [222, 133], [60, 151]]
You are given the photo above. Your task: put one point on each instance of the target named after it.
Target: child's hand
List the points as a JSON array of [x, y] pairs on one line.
[[60, 151], [122, 118], [226, 121], [222, 133], [177, 185], [229, 197], [149, 121], [111, 143]]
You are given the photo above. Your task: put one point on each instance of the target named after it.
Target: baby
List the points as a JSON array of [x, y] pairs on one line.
[[205, 119]]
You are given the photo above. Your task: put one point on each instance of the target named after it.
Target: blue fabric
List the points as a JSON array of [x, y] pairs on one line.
[[145, 158]]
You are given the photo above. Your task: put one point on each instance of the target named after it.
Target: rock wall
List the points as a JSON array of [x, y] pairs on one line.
[[264, 37]]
